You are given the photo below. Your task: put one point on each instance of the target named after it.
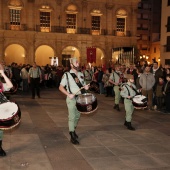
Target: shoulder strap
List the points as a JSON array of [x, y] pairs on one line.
[[68, 83], [126, 88], [78, 82], [134, 90]]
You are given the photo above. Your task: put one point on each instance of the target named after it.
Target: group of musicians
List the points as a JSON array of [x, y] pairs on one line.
[[74, 83]]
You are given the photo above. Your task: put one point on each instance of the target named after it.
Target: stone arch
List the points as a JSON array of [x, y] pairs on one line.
[[15, 52], [69, 51], [43, 53], [15, 4], [96, 12], [100, 56], [122, 12], [71, 8]]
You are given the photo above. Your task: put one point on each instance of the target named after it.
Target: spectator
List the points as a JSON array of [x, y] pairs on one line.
[[159, 93], [147, 81], [166, 92]]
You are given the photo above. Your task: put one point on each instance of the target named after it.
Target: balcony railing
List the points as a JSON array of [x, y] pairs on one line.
[[22, 27], [62, 29], [122, 34]]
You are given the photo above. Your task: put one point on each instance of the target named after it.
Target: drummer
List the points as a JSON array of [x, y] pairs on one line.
[[128, 91], [3, 87], [73, 81]]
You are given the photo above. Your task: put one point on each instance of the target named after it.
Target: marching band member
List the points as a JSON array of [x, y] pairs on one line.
[[88, 74], [3, 87], [128, 91], [73, 81], [116, 80]]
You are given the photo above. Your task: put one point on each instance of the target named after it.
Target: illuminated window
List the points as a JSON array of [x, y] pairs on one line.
[[121, 22], [96, 21], [45, 18], [71, 21], [15, 17], [15, 8], [71, 18]]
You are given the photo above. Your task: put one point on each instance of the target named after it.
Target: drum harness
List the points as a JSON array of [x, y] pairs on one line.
[[137, 93], [77, 82], [3, 98], [129, 91]]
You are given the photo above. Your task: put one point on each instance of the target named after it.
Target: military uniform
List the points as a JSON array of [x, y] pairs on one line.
[[116, 79], [128, 89], [72, 87], [88, 74]]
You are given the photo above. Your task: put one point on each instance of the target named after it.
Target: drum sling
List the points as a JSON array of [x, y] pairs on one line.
[[77, 82], [3, 98]]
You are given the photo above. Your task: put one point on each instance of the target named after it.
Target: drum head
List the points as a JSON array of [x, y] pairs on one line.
[[138, 99], [8, 110]]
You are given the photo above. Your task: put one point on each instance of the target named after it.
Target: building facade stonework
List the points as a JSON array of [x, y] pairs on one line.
[[55, 25]]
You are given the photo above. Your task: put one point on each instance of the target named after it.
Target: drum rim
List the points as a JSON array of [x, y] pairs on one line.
[[11, 127], [86, 113], [1, 120]]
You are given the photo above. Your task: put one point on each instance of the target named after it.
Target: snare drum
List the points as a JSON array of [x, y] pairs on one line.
[[86, 103], [139, 102], [10, 115]]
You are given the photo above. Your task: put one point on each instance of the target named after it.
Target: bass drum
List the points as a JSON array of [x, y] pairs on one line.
[[86, 103], [139, 102], [10, 115]]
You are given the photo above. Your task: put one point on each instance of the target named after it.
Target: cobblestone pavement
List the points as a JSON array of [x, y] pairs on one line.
[[41, 141]]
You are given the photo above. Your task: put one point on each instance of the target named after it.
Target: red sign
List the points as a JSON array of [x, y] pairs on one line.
[[91, 54]]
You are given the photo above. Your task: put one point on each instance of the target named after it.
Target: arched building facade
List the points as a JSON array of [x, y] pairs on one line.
[[36, 30]]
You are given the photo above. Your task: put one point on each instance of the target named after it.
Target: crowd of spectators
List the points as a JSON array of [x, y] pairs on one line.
[[152, 80]]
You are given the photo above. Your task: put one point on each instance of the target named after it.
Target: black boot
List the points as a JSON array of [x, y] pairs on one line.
[[2, 152], [117, 108], [126, 123], [129, 126], [76, 135], [73, 139]]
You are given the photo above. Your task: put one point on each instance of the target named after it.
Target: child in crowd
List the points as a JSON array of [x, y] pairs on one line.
[[159, 93]]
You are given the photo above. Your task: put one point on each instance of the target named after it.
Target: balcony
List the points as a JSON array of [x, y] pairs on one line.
[[83, 30], [22, 27], [121, 34]]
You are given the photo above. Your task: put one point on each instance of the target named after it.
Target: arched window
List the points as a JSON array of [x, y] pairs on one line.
[[15, 7], [71, 18], [121, 22], [96, 21], [45, 18]]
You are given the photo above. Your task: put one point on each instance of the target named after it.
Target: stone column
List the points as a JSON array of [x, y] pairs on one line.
[[1, 46]]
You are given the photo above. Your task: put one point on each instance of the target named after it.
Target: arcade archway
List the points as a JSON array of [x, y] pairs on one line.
[[14, 53], [69, 52], [43, 55]]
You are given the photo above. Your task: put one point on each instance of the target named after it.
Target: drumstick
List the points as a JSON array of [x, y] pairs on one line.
[[81, 89]]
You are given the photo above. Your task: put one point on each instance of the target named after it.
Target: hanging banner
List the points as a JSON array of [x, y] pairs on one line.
[[91, 54]]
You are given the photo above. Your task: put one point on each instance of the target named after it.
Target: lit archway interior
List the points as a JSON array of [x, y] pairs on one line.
[[99, 57], [14, 53], [43, 55], [69, 52]]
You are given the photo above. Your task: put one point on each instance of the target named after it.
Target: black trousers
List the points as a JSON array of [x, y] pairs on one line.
[[35, 86], [167, 102]]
